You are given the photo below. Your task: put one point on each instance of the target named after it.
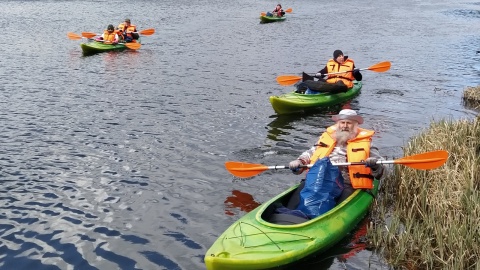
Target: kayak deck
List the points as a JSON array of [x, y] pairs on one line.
[[94, 47], [270, 19], [255, 243], [295, 102]]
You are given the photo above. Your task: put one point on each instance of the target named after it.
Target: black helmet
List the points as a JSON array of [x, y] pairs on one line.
[[110, 27]]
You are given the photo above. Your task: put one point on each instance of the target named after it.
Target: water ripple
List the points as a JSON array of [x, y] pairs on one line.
[[116, 160]]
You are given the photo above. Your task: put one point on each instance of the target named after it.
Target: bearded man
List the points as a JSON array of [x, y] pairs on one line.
[[346, 142]]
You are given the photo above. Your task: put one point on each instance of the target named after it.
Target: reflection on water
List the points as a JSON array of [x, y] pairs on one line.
[[116, 160], [241, 200]]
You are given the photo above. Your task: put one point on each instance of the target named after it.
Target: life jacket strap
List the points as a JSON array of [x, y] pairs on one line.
[[321, 144], [360, 175]]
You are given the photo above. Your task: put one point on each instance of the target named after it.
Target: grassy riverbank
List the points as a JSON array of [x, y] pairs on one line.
[[471, 97], [431, 219]]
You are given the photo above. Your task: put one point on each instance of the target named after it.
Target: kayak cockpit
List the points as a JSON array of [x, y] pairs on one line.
[[290, 201]]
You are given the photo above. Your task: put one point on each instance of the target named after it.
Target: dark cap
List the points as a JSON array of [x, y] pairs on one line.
[[127, 20], [110, 27], [337, 53]]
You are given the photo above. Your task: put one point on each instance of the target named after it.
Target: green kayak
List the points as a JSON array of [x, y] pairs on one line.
[[294, 102], [94, 47], [252, 242], [269, 19]]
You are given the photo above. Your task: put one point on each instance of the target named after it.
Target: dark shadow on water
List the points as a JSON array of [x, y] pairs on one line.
[[110, 53], [466, 13]]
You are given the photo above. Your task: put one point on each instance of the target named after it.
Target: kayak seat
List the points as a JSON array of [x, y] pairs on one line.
[[278, 213], [294, 199], [286, 219]]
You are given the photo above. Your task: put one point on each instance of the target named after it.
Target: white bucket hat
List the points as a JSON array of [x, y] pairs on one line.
[[348, 114]]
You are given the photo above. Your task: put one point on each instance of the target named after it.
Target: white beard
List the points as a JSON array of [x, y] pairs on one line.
[[343, 136]]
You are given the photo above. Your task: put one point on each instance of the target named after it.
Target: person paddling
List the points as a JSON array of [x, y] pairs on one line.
[[109, 35], [128, 31], [278, 11], [339, 82], [342, 142]]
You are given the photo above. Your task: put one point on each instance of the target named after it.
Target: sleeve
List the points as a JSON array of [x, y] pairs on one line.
[[305, 157]]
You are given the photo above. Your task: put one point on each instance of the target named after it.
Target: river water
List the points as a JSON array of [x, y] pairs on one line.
[[116, 160]]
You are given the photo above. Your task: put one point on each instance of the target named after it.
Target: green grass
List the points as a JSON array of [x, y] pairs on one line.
[[431, 219]]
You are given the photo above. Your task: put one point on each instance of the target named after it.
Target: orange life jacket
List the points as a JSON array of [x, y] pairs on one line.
[[131, 28], [358, 149], [107, 36], [346, 77]]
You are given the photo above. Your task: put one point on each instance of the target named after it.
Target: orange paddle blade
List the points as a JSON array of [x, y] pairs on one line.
[[263, 14], [88, 34], [424, 161], [73, 36], [133, 45], [289, 10], [380, 67], [244, 170], [147, 32], [286, 80]]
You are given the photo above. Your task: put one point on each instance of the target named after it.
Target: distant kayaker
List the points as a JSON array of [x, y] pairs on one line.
[[109, 35], [278, 11], [128, 30], [342, 142], [341, 80]]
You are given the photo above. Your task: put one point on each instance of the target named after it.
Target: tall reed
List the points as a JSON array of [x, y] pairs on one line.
[[471, 97], [431, 219]]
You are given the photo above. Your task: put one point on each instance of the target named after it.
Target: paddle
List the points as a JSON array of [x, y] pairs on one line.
[[130, 45], [133, 45], [287, 11], [424, 161], [73, 36], [292, 79], [89, 35], [145, 32]]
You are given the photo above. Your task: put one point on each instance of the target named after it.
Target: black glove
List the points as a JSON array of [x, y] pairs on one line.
[[377, 169], [372, 163], [357, 75]]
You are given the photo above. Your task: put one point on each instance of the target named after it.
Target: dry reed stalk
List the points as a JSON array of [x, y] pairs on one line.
[[471, 97], [432, 217]]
